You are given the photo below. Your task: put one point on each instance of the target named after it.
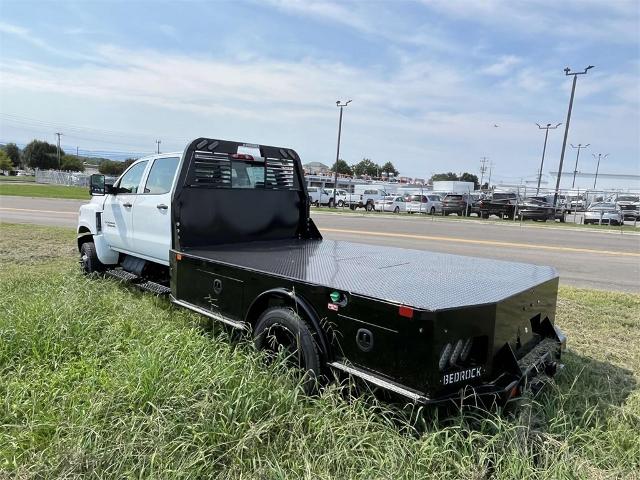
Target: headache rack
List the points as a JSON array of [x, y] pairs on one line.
[[234, 192]]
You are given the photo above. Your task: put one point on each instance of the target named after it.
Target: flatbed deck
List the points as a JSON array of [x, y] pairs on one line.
[[421, 279]]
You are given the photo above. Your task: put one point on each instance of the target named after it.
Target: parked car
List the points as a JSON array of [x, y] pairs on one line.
[[502, 204], [456, 203], [319, 196], [576, 203], [603, 213], [391, 203], [430, 204], [630, 206], [342, 196], [540, 207], [369, 197]]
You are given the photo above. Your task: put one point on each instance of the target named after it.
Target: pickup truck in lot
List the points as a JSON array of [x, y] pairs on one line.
[[227, 234]]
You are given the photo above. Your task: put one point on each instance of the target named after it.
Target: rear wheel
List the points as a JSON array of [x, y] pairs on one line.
[[317, 204], [369, 207], [432, 211], [396, 210], [89, 259], [280, 329]]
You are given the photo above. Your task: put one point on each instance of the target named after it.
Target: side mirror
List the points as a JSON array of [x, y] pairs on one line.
[[97, 184]]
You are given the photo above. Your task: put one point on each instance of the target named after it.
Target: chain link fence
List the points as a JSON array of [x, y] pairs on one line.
[[55, 177]]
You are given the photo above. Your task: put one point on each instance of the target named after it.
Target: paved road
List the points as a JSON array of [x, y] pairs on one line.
[[583, 257]]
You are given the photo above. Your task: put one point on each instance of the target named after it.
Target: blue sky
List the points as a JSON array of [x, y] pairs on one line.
[[429, 79]]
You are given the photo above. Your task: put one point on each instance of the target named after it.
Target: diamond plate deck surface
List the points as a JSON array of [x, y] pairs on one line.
[[421, 279]]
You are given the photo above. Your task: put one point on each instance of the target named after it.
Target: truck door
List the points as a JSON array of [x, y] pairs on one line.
[[118, 208], [152, 211]]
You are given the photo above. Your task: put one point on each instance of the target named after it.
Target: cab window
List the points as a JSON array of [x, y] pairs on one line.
[[161, 175], [131, 179]]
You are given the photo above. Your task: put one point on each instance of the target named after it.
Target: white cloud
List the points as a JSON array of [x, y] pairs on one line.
[[503, 66]]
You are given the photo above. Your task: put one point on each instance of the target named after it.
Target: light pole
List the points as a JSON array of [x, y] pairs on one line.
[[575, 168], [158, 142], [597, 167], [544, 149], [566, 127], [335, 173]]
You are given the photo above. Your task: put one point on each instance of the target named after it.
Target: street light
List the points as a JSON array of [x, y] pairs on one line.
[[598, 167], [544, 149], [567, 72], [335, 173], [575, 169]]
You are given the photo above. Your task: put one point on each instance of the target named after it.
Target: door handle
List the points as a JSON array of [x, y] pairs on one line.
[[127, 205], [161, 206]]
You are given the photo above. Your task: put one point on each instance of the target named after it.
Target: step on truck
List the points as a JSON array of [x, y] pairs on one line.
[[224, 229]]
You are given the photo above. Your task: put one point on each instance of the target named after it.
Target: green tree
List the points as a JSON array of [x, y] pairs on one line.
[[111, 167], [71, 163], [366, 167], [469, 177], [388, 168], [343, 168], [13, 152], [5, 162], [39, 154], [437, 177]]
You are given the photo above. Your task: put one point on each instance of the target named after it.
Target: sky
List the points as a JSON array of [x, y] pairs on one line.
[[435, 84]]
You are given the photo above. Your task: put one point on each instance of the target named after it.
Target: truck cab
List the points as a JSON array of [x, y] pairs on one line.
[[133, 216]]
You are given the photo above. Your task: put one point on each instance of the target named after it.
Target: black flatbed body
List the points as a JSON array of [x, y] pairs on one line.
[[425, 325], [424, 280]]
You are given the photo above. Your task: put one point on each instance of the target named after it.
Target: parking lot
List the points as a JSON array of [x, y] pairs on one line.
[[587, 257]]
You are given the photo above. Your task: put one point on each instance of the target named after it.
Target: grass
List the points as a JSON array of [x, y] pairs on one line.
[[97, 380], [42, 190], [493, 220], [21, 179]]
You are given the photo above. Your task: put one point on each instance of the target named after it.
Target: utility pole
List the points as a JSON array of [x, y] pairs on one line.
[[566, 127], [158, 142], [58, 149], [598, 167], [483, 168], [77, 156], [544, 149], [335, 173], [490, 170], [575, 168]]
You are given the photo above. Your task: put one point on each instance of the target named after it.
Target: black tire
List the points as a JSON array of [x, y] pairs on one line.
[[369, 207], [340, 203], [281, 327], [396, 210], [317, 204], [89, 259], [330, 204], [432, 211], [352, 207]]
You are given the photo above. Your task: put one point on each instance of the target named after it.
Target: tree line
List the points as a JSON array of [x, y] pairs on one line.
[[43, 155]]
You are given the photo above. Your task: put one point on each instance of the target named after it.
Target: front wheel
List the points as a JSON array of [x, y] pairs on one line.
[[369, 207], [330, 204], [432, 211], [89, 259], [396, 210], [280, 329], [340, 203]]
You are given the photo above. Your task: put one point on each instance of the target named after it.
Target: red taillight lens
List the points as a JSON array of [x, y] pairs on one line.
[[405, 311], [242, 156]]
